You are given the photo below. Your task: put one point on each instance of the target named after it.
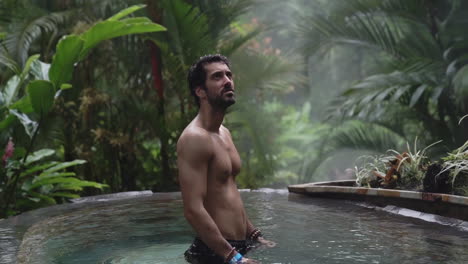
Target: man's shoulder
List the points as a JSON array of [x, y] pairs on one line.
[[225, 130], [194, 137], [194, 133]]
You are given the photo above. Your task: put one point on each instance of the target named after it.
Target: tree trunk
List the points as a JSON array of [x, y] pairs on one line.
[[156, 64]]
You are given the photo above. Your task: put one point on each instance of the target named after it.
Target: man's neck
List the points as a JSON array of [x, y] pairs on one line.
[[211, 118]]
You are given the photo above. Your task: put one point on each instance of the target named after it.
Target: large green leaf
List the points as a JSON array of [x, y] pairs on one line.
[[66, 181], [27, 66], [63, 165], [54, 180], [41, 93], [23, 105], [29, 125], [65, 86], [68, 51], [69, 187], [40, 70], [64, 194], [46, 198], [110, 29], [38, 155], [37, 168], [126, 12], [46, 175], [80, 184], [7, 122], [11, 90]]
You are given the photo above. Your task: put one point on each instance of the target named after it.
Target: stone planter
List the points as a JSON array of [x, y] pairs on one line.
[[433, 203]]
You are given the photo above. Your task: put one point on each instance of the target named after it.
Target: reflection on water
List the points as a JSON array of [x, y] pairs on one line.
[[8, 245], [307, 230]]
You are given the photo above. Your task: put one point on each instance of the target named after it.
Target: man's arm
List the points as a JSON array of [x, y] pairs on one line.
[[259, 237], [194, 151], [250, 226]]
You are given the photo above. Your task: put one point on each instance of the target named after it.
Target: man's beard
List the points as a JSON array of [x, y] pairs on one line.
[[220, 101]]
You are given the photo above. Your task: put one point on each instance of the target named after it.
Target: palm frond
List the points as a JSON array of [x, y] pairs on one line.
[[354, 135], [397, 27], [188, 30], [365, 136], [7, 61], [222, 13], [397, 88], [23, 33]]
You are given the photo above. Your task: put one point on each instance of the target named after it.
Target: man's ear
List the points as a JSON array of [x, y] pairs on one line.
[[200, 92]]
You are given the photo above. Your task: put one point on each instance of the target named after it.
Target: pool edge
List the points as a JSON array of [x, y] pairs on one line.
[[447, 205]]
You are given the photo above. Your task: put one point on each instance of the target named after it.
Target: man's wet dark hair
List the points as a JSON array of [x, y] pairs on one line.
[[197, 74]]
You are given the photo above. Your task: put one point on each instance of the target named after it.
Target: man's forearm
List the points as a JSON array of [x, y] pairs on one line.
[[250, 228], [252, 233], [208, 231]]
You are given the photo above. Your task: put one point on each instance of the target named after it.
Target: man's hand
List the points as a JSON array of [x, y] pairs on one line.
[[249, 261], [266, 243]]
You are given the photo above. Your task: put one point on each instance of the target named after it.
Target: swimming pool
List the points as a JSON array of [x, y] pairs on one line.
[[152, 229]]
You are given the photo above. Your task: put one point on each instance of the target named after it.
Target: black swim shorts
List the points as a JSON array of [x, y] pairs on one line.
[[200, 253]]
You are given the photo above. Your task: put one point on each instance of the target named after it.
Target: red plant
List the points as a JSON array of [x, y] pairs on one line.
[[9, 149]]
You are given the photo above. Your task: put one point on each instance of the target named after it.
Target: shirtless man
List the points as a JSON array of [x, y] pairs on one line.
[[208, 163]]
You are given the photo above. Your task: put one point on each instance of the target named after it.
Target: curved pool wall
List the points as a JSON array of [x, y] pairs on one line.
[[152, 229], [13, 229], [445, 205]]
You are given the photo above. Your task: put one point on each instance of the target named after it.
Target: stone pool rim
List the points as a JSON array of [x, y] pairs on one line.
[[447, 205]]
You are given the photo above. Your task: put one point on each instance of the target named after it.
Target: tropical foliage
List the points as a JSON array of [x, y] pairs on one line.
[[413, 170], [367, 75], [417, 88], [28, 98], [456, 163], [397, 170], [129, 99]]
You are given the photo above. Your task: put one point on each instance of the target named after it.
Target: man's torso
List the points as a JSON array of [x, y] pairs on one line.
[[223, 201]]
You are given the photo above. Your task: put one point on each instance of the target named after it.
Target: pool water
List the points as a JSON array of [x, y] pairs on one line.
[[307, 230]]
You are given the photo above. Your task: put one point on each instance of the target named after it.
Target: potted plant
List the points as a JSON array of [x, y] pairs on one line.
[[455, 167], [404, 170]]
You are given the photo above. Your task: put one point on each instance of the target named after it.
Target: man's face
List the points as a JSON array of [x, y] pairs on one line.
[[219, 85]]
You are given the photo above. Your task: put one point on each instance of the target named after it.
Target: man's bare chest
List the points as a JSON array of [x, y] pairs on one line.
[[226, 160]]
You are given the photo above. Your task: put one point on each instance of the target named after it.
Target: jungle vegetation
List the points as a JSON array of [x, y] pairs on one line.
[[318, 82]]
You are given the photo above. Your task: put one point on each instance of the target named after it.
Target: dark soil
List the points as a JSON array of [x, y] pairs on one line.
[[460, 184], [437, 182]]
